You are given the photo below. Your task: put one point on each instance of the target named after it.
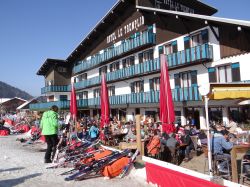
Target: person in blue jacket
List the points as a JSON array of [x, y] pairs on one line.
[[219, 143], [93, 132]]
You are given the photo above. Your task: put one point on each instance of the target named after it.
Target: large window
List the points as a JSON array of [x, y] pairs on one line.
[[114, 66], [146, 56], [185, 79], [225, 73], [130, 61], [96, 92], [63, 97], [171, 48], [137, 86], [196, 39], [82, 77], [49, 82], [154, 84], [82, 95], [111, 90], [102, 70]]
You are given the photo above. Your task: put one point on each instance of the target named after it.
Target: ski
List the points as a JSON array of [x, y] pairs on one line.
[[127, 168]]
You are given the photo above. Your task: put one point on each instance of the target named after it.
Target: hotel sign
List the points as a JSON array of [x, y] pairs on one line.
[[126, 29], [174, 5]]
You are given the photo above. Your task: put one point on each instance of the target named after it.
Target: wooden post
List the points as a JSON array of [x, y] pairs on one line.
[[138, 133]]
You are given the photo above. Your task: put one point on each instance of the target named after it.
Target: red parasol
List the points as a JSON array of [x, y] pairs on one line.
[[167, 115], [73, 103], [104, 102]]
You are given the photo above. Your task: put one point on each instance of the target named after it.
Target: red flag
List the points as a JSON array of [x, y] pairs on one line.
[[167, 115], [73, 103], [104, 102]]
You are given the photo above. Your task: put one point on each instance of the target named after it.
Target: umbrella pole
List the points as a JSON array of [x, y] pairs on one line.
[[208, 138], [138, 133]]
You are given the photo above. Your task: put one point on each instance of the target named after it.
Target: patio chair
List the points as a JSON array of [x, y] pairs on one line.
[[245, 171]]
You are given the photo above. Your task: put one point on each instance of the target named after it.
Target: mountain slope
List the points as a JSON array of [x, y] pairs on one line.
[[8, 91]]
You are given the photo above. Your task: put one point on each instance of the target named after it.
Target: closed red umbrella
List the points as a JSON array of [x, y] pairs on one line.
[[73, 103], [104, 102], [167, 115]]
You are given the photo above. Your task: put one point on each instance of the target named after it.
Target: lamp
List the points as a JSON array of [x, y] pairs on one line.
[[204, 90]]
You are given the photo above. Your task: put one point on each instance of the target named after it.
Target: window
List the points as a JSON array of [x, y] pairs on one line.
[[196, 39], [114, 66], [63, 97], [154, 84], [102, 70], [146, 56], [111, 90], [171, 48], [82, 77], [85, 95], [130, 61], [225, 73], [51, 98], [82, 95], [79, 95], [137, 86], [185, 79], [96, 92], [62, 69], [49, 82]]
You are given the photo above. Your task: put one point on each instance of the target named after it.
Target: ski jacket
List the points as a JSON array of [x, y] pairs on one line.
[[49, 123]]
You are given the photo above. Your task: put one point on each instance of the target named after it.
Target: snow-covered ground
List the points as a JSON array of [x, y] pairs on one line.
[[21, 165]]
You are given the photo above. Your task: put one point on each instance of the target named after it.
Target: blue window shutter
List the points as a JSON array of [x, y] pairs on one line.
[[235, 65], [160, 49], [212, 74], [210, 70]]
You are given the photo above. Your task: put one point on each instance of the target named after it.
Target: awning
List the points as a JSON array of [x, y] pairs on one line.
[[229, 91]]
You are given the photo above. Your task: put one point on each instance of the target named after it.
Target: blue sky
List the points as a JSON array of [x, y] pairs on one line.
[[31, 31]]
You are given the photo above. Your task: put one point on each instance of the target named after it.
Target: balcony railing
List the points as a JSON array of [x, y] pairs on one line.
[[198, 53], [186, 94], [144, 38], [179, 94], [194, 54], [65, 88]]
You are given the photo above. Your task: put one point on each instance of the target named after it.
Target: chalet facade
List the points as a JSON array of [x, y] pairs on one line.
[[126, 45]]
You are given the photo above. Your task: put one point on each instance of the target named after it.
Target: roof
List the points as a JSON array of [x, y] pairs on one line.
[[26, 103], [48, 64], [111, 16], [116, 7], [209, 19], [4, 100], [13, 99]]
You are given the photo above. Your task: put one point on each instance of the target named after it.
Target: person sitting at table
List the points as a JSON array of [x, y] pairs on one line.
[[131, 136], [202, 138], [171, 144], [232, 125], [186, 140], [219, 143], [153, 147], [193, 130]]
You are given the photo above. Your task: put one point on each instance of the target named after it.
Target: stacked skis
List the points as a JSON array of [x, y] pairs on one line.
[[92, 159]]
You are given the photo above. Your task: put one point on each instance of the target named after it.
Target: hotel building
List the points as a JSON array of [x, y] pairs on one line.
[[126, 44]]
